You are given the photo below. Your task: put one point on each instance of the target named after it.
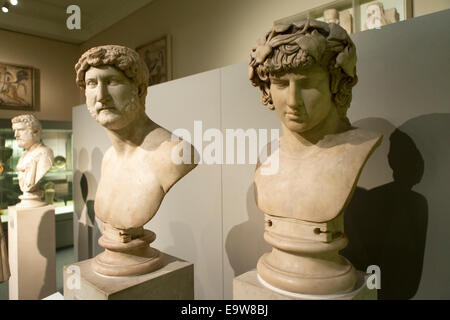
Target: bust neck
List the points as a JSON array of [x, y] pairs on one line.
[[33, 146], [294, 142], [128, 138]]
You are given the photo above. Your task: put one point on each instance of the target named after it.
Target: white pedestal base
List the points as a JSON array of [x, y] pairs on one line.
[[249, 286], [32, 253]]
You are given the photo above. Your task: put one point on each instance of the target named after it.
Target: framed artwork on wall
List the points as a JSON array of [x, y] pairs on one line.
[[17, 87], [157, 56]]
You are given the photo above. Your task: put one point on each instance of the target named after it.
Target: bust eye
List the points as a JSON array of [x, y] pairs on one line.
[[91, 83]]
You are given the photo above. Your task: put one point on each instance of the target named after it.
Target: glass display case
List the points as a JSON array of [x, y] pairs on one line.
[[56, 184]]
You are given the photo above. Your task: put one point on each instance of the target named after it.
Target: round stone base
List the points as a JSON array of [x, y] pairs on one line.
[[130, 258], [30, 200], [357, 291], [306, 275], [112, 263]]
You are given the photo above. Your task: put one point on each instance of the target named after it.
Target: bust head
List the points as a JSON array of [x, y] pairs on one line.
[[304, 70], [115, 81], [27, 130]]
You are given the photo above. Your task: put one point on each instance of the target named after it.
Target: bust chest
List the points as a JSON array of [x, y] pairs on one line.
[[26, 160], [129, 192], [315, 185]]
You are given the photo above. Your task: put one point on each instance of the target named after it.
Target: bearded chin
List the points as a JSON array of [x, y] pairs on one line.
[[119, 119]]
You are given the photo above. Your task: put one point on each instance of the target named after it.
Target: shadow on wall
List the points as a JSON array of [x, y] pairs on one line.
[[394, 226], [245, 242], [85, 184], [48, 279]]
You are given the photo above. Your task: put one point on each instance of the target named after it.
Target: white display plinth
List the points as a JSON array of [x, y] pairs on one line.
[[31, 238], [249, 286]]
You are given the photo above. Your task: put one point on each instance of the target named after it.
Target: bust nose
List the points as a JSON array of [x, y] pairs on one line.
[[102, 93], [293, 98]]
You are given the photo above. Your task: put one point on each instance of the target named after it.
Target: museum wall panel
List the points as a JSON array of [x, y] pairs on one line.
[[57, 92], [402, 199], [399, 213]]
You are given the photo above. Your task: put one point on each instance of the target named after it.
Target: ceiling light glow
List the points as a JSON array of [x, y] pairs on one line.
[[14, 2], [5, 9]]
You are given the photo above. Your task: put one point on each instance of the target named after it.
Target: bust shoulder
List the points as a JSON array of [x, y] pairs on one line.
[[44, 151], [353, 137], [160, 145]]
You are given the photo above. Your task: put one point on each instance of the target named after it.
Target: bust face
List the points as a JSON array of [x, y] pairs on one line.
[[24, 135], [111, 97], [302, 99]]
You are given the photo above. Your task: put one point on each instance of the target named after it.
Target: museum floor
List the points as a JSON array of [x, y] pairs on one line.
[[64, 256]]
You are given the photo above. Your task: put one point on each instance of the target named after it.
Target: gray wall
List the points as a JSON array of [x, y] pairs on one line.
[[399, 216]]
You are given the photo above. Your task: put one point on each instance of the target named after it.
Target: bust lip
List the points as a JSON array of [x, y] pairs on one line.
[[293, 115], [102, 108]]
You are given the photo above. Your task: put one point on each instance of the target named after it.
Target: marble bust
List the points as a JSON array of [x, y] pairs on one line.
[[137, 170], [306, 72], [34, 163]]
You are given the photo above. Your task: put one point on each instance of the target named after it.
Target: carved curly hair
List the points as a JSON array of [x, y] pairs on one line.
[[29, 120], [125, 59], [286, 48]]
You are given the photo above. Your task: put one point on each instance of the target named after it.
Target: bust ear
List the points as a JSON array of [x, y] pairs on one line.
[[267, 97]]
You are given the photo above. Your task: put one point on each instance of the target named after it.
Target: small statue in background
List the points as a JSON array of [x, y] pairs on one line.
[[377, 16], [342, 18], [331, 16], [34, 162]]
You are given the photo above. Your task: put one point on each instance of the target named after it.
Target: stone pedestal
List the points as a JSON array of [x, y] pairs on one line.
[[127, 252], [174, 281], [305, 256], [31, 238], [249, 286]]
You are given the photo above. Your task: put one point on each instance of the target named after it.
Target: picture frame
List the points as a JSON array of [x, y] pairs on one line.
[[157, 56], [17, 87]]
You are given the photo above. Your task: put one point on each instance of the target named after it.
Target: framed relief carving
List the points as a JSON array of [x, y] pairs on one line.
[[157, 56], [17, 87], [357, 15]]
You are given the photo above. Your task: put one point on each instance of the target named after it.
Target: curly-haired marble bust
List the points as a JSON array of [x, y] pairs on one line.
[[306, 72]]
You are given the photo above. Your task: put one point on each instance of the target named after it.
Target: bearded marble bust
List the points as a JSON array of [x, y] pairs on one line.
[[137, 170], [306, 72], [35, 162]]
